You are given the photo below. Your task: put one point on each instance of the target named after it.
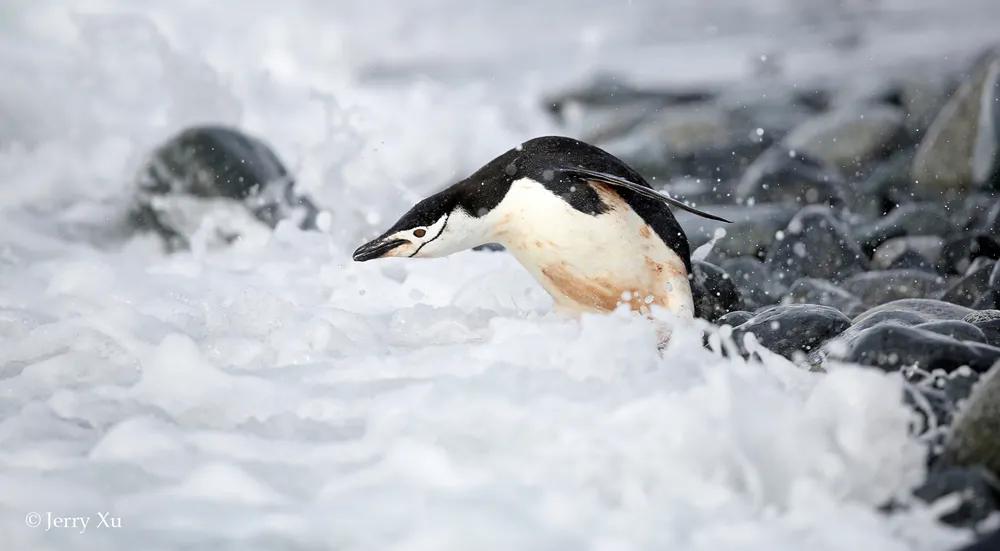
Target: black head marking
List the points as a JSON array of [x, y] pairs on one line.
[[439, 232], [427, 211]]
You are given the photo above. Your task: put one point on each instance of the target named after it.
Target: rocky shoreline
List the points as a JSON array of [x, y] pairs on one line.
[[866, 230]]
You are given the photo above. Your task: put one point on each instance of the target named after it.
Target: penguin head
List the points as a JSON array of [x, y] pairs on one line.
[[452, 220], [437, 226]]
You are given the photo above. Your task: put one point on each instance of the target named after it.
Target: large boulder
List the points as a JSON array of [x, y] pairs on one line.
[[961, 150], [216, 175]]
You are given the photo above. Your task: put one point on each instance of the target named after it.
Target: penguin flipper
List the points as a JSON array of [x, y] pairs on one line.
[[641, 190]]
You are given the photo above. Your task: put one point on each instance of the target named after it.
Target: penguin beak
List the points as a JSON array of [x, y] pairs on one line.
[[377, 248]]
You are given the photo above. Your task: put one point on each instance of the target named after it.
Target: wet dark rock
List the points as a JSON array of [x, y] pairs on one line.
[[928, 309], [733, 319], [815, 244], [977, 488], [713, 291], [752, 230], [904, 312], [917, 252], [892, 346], [908, 220], [961, 149], [215, 163], [874, 288], [756, 286], [851, 137], [959, 253], [784, 176], [791, 328], [956, 329], [819, 291], [973, 288]]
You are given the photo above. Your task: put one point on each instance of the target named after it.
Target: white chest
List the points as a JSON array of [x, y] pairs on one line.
[[590, 263]]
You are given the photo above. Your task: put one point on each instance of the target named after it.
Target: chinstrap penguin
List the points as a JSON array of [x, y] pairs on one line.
[[589, 228]]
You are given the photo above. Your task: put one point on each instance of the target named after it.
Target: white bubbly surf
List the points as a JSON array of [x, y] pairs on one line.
[[276, 395]]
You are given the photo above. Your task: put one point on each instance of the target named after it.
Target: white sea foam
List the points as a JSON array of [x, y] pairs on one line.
[[276, 395]]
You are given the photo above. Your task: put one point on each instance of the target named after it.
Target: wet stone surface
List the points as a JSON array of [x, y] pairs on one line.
[[214, 172], [820, 291], [815, 244], [790, 329]]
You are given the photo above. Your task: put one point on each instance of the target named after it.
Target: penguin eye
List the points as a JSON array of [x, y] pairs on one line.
[[419, 232]]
